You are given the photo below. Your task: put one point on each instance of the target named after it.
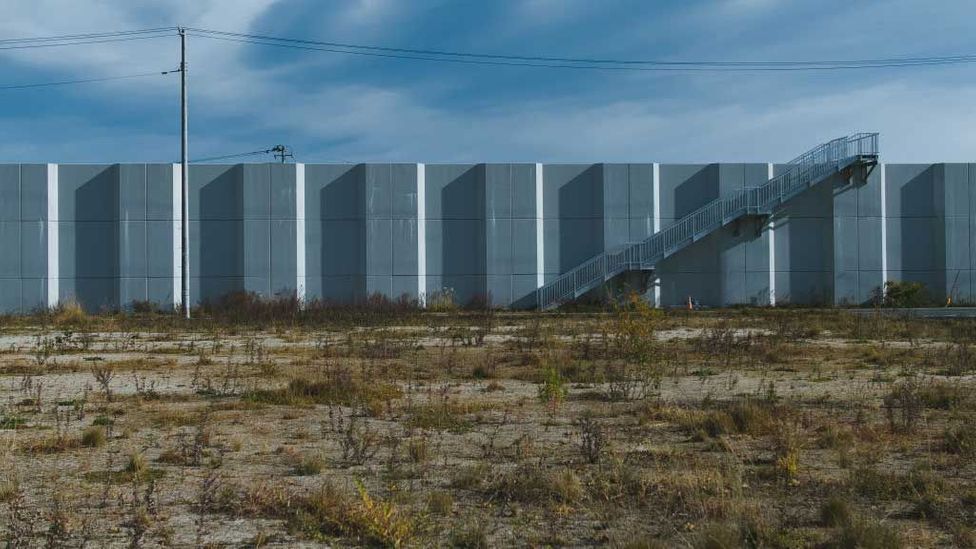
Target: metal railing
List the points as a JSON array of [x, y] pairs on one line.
[[802, 172]]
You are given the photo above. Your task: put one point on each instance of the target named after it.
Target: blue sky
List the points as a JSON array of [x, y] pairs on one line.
[[330, 107]]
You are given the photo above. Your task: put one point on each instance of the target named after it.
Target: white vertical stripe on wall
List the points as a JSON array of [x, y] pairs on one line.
[[177, 236], [772, 248], [300, 233], [540, 241], [422, 234], [656, 194], [884, 229], [53, 270]]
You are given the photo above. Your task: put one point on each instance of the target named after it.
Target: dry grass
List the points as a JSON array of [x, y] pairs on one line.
[[270, 425]]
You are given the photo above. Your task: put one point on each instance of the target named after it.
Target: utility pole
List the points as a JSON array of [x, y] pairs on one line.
[[185, 192]]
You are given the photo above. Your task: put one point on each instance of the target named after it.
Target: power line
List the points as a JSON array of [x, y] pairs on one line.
[[53, 44], [86, 36], [577, 63], [83, 81], [237, 155]]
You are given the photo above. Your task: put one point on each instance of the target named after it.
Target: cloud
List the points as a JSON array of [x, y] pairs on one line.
[[239, 103]]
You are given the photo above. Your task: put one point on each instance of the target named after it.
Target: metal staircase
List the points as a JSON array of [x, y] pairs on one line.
[[805, 171]]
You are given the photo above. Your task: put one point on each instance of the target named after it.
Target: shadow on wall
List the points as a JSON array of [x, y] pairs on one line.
[[581, 231], [343, 232], [96, 251], [464, 246], [923, 246], [221, 237]]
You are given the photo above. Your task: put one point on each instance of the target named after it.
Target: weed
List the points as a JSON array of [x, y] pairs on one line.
[[592, 438], [835, 512], [93, 437], [553, 389]]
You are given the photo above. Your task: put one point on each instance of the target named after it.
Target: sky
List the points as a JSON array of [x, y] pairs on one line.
[[329, 107]]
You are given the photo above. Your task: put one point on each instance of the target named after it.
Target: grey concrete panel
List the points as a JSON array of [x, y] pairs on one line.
[[10, 296], [804, 287], [33, 250], [523, 291], [523, 191], [869, 243], [686, 187], [804, 244], [757, 288], [616, 232], [216, 192], [404, 191], [283, 257], [403, 286], [260, 285], [282, 191], [10, 248], [731, 177], [755, 174], [160, 291], [132, 192], [951, 189], [641, 228], [93, 294], [572, 191], [88, 192], [909, 191], [465, 288], [846, 243], [379, 286], [869, 285], [816, 202], [34, 294], [756, 244], [845, 196], [338, 289], [498, 191], [916, 244], [957, 243], [335, 247], [256, 191], [701, 287], [616, 190], [569, 242], [454, 191], [405, 247], [869, 195], [641, 200], [33, 192], [498, 246], [335, 191], [88, 249], [133, 249], [212, 288], [216, 255], [846, 287], [132, 289], [159, 252], [379, 193], [257, 249], [159, 192], [10, 195], [524, 246], [454, 247], [379, 247], [499, 290]]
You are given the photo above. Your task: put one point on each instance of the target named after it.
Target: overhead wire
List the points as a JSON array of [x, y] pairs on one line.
[[575, 63], [83, 81]]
